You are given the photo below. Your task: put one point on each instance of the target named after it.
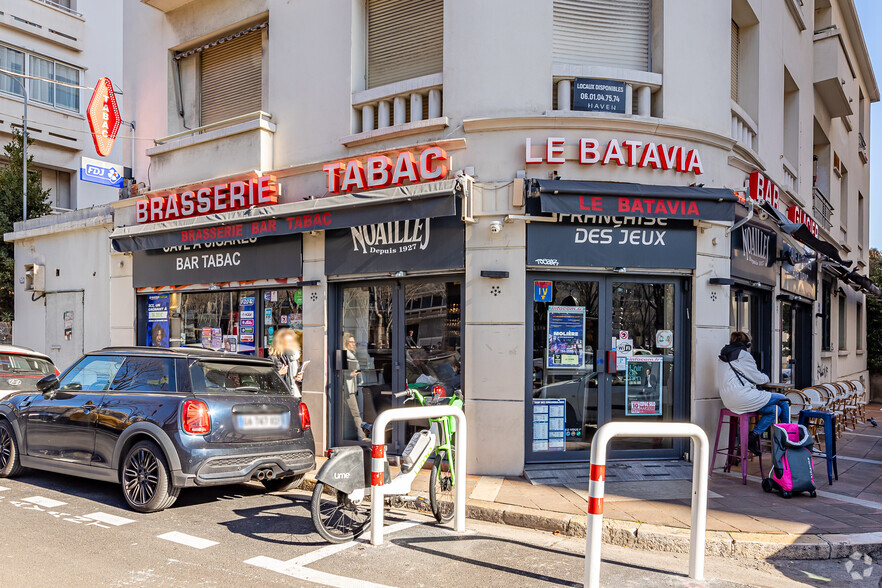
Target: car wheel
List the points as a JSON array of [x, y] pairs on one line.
[[146, 480], [10, 465], [282, 484]]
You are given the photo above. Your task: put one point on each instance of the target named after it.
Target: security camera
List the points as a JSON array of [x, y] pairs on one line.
[[496, 227]]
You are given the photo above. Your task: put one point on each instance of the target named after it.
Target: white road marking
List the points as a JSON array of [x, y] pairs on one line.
[[487, 488], [296, 567], [43, 501], [109, 519], [2, 488], [188, 540]]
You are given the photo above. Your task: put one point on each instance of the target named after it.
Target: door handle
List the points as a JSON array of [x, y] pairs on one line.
[[26, 402], [89, 406]]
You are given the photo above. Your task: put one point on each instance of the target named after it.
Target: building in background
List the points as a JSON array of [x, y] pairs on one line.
[[568, 228], [76, 43]]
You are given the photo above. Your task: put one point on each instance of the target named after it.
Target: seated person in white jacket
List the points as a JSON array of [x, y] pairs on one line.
[[738, 379]]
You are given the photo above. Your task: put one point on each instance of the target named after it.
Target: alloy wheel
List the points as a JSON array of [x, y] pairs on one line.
[[5, 448], [141, 477]]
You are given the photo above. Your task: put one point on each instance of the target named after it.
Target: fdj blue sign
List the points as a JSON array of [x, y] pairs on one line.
[[99, 172], [599, 95]]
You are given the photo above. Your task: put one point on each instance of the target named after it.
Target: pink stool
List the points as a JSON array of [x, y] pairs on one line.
[[741, 448]]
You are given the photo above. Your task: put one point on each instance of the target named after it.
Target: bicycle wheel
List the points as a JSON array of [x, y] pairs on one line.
[[441, 488], [337, 519]]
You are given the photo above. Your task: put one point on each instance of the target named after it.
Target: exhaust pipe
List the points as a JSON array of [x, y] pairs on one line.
[[270, 474], [261, 475]]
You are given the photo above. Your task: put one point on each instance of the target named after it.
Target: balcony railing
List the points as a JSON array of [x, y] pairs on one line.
[[789, 181], [60, 6], [400, 103], [638, 91], [862, 148], [822, 209], [743, 128]]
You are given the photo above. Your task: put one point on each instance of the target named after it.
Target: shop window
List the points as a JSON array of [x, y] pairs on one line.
[[602, 32], [282, 308], [826, 303], [842, 324], [405, 40], [145, 374], [215, 320], [859, 326]]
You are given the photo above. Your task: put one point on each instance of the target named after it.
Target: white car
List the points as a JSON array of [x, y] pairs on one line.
[[21, 368]]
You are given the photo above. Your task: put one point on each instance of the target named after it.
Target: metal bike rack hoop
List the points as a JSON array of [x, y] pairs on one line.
[[378, 456], [598, 475]]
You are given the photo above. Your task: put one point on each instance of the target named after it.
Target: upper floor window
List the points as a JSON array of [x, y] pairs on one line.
[[42, 90], [405, 39], [611, 33]]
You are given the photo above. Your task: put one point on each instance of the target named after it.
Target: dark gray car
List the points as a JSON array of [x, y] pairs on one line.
[[158, 420]]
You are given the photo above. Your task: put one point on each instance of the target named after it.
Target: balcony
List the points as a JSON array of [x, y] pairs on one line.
[[395, 110], [789, 181], [237, 145], [862, 148], [834, 75], [822, 210], [744, 130], [166, 5], [46, 20], [638, 92]]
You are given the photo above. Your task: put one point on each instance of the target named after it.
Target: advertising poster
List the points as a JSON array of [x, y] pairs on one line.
[[295, 320], [230, 343], [206, 337], [643, 385], [566, 337], [246, 325], [549, 424], [217, 338], [157, 320]]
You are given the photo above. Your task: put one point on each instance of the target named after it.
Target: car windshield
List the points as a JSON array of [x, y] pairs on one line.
[[25, 365], [220, 377]]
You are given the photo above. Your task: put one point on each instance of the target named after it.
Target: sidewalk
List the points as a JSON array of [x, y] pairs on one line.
[[742, 520]]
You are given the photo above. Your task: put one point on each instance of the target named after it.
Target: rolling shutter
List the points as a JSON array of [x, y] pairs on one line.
[[405, 40], [231, 78], [736, 42], [602, 32]]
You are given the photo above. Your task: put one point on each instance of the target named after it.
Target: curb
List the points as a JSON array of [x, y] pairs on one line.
[[675, 539]]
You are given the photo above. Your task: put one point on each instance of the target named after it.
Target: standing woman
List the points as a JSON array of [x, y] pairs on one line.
[[285, 353]]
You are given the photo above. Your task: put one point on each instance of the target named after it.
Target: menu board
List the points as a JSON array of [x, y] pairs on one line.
[[549, 424]]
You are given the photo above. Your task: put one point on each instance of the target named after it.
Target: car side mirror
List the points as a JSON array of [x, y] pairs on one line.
[[48, 383]]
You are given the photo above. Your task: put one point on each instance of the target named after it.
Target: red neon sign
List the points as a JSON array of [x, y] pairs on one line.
[[235, 195], [798, 215], [380, 171], [104, 117], [762, 188]]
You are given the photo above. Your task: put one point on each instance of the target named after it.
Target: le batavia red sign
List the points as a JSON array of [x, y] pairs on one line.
[[104, 117], [202, 200]]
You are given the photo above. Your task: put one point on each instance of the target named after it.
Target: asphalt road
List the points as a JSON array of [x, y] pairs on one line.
[[63, 531]]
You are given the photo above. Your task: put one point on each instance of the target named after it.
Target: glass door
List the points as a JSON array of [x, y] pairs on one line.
[[392, 335], [604, 349], [796, 344]]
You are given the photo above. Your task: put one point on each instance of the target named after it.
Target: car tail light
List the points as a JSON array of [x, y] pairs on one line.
[[304, 416], [439, 391], [195, 416], [57, 373]]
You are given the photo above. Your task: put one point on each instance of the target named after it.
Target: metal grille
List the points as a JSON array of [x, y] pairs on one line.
[[822, 209], [405, 39], [292, 456], [602, 32]]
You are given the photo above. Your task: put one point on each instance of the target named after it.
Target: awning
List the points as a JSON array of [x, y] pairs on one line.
[[430, 200], [634, 200], [802, 234], [864, 283]]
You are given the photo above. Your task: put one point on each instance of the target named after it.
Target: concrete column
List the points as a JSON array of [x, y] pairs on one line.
[[416, 107], [564, 95], [644, 103], [384, 114], [316, 378], [367, 118], [434, 103], [400, 110]]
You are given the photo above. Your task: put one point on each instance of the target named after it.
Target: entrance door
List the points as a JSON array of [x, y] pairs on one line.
[[394, 334], [605, 348], [751, 312], [796, 344], [64, 327]]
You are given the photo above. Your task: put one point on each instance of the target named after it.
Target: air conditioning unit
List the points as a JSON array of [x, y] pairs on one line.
[[35, 278]]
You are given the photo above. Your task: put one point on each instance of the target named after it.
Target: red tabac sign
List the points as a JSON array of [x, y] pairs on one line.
[[104, 117], [201, 200], [381, 171]]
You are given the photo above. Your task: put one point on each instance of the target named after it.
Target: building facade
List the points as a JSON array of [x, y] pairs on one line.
[[68, 42], [562, 208]]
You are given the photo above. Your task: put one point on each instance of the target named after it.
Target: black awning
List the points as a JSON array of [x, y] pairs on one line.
[[802, 234], [864, 283], [634, 200], [418, 201]]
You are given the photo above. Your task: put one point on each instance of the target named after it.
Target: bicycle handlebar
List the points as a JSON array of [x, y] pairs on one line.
[[400, 394]]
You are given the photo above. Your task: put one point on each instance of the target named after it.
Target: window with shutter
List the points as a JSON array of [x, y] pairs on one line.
[[602, 32], [735, 48], [231, 78], [405, 40]]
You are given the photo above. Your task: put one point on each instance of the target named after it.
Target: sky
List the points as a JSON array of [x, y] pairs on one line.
[[870, 13]]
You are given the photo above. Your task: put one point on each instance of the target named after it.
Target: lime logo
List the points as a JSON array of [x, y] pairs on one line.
[[859, 565]]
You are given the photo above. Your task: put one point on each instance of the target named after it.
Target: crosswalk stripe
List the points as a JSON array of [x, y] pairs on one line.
[[43, 501], [109, 518], [2, 488], [188, 540]]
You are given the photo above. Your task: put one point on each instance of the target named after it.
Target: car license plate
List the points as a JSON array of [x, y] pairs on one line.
[[259, 422]]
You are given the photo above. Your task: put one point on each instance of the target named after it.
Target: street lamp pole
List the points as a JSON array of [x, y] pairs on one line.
[[24, 146]]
